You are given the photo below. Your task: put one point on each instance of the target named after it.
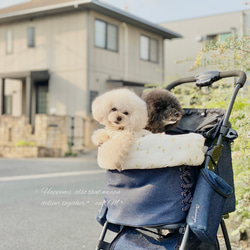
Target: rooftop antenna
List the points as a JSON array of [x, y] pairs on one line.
[[126, 7]]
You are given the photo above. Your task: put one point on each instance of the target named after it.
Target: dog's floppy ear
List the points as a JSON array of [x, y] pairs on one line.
[[99, 109], [139, 117]]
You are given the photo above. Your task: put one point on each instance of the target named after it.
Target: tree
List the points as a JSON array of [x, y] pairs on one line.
[[233, 55]]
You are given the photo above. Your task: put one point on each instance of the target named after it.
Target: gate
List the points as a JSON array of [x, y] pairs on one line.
[[76, 128]]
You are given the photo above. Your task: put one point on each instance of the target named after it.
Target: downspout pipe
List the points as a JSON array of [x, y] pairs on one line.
[[2, 97], [163, 61], [125, 51], [88, 68], [242, 24]]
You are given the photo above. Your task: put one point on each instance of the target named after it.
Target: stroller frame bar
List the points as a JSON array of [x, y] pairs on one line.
[[229, 110], [102, 244], [225, 234], [209, 77]]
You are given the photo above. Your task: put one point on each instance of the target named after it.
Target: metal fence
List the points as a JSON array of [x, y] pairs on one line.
[[76, 128]]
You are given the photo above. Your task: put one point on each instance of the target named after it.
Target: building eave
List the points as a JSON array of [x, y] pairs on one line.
[[127, 83], [38, 75]]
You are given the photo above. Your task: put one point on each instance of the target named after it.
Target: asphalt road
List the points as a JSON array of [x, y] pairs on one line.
[[50, 204]]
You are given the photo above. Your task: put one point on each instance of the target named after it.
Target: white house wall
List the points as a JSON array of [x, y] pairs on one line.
[[14, 88], [245, 22], [60, 46], [124, 64], [192, 30], [139, 69]]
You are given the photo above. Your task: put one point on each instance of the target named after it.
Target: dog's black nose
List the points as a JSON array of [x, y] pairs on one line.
[[119, 118]]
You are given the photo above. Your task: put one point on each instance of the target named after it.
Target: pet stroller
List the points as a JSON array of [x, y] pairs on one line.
[[179, 207]]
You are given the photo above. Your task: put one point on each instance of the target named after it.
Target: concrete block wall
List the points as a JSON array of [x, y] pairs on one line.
[[18, 138]]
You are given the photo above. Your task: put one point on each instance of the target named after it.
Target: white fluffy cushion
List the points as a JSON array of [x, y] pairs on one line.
[[161, 150]]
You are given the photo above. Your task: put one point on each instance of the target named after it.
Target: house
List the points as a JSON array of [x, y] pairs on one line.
[[196, 33], [57, 55]]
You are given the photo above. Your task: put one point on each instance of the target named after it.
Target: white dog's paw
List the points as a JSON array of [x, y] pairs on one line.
[[205, 148], [99, 137]]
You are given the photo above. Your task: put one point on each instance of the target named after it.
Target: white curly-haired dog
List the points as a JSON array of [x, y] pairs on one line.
[[125, 116]]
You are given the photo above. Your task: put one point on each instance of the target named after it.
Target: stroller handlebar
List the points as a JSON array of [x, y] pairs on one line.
[[237, 73], [209, 77]]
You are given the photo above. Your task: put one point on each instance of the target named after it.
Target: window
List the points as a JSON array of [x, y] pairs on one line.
[[31, 37], [93, 95], [8, 104], [9, 42], [144, 48], [219, 37], [106, 35], [149, 49], [223, 37], [42, 97]]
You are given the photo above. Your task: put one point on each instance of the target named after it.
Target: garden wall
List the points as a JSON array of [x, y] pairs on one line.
[[47, 138]]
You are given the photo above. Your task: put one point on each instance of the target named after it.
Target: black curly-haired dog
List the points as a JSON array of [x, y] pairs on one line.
[[164, 110]]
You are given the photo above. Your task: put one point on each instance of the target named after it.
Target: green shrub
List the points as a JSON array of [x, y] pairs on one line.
[[24, 143], [227, 55]]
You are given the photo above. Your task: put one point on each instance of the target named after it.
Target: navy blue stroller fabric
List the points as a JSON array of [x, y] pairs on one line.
[[148, 197], [131, 238]]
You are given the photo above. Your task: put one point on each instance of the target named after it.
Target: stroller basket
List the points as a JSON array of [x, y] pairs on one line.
[[149, 197], [161, 198]]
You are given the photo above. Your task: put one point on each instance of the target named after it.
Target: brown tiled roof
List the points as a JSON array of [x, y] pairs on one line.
[[32, 4]]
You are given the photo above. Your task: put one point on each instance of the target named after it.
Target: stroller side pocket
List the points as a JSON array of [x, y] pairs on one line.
[[207, 206]]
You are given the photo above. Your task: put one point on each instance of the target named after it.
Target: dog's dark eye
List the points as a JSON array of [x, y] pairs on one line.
[[114, 109], [125, 113]]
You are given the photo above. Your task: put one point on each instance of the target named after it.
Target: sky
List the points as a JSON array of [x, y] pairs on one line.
[[159, 11]]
